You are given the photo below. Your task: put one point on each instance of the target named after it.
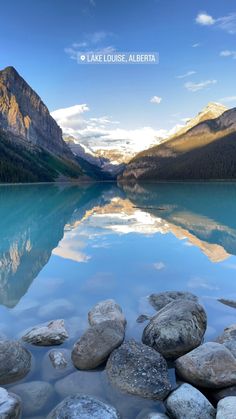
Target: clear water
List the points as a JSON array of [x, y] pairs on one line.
[[64, 248]]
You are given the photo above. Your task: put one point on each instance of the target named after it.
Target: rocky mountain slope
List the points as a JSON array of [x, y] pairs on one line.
[[31, 143], [205, 151]]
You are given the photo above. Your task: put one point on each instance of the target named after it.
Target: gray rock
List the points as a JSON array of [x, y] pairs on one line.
[[59, 307], [10, 405], [226, 408], [137, 369], [149, 414], [222, 393], [56, 364], [230, 303], [176, 329], [143, 318], [228, 338], [83, 407], [211, 365], [15, 361], [35, 396], [188, 402], [160, 300], [80, 382], [106, 310], [46, 334], [96, 344]]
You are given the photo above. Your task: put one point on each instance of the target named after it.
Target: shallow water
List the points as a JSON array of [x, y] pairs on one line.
[[64, 248]]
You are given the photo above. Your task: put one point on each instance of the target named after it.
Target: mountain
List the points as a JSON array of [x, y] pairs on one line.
[[31, 144], [206, 150]]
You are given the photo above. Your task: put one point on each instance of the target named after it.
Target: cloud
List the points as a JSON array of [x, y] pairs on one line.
[[156, 99], [228, 53], [195, 87], [93, 43], [228, 99], [189, 73], [196, 45], [226, 23], [159, 266], [205, 19]]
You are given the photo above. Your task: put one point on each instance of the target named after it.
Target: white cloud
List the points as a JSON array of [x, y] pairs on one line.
[[228, 53], [196, 45], [228, 99], [183, 76], [93, 43], [205, 19], [159, 266], [156, 99], [195, 87]]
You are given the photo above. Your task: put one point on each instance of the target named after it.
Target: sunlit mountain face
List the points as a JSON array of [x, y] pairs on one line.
[[70, 223]]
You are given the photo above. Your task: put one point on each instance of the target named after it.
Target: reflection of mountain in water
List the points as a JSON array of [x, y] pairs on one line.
[[32, 221]]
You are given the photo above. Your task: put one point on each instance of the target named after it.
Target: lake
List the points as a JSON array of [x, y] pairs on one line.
[[63, 248]]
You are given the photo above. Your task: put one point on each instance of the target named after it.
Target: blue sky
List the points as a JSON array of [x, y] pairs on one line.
[[35, 35]]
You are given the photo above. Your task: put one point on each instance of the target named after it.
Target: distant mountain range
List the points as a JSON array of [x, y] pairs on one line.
[[203, 150]]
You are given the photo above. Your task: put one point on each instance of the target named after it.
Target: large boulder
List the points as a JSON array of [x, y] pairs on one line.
[[35, 395], [47, 334], [160, 300], [106, 310], [96, 344], [210, 365], [226, 408], [10, 405], [176, 329], [228, 338], [137, 369], [83, 407], [15, 361], [188, 402]]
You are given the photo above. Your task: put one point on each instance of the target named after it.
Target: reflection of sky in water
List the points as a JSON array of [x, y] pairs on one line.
[[113, 248]]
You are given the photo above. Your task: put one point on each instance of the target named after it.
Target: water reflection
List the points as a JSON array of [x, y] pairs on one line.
[[38, 220]]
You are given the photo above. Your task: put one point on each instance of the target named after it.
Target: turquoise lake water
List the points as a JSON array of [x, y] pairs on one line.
[[64, 248]]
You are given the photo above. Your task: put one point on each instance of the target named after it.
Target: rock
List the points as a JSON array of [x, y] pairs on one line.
[[59, 307], [143, 318], [80, 382], [15, 361], [230, 303], [160, 300], [211, 365], [83, 407], [56, 364], [35, 395], [222, 393], [188, 402], [228, 339], [10, 405], [96, 344], [149, 414], [106, 310], [176, 329], [226, 408], [46, 334], [137, 369]]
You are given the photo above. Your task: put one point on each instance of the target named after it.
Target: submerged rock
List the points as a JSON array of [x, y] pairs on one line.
[[226, 408], [96, 344], [83, 407], [58, 307], [230, 303], [15, 361], [160, 300], [80, 382], [46, 334], [106, 310], [188, 402], [35, 395], [211, 365], [140, 370], [143, 318], [176, 329], [228, 338], [151, 415], [56, 364], [10, 405]]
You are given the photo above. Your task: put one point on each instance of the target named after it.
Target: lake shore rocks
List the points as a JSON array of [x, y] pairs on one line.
[[106, 310], [176, 329], [96, 344], [228, 338], [151, 415], [46, 334], [226, 408], [137, 369], [80, 407], [10, 405], [56, 364], [217, 395], [35, 395], [211, 365], [188, 402], [15, 361], [160, 300]]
